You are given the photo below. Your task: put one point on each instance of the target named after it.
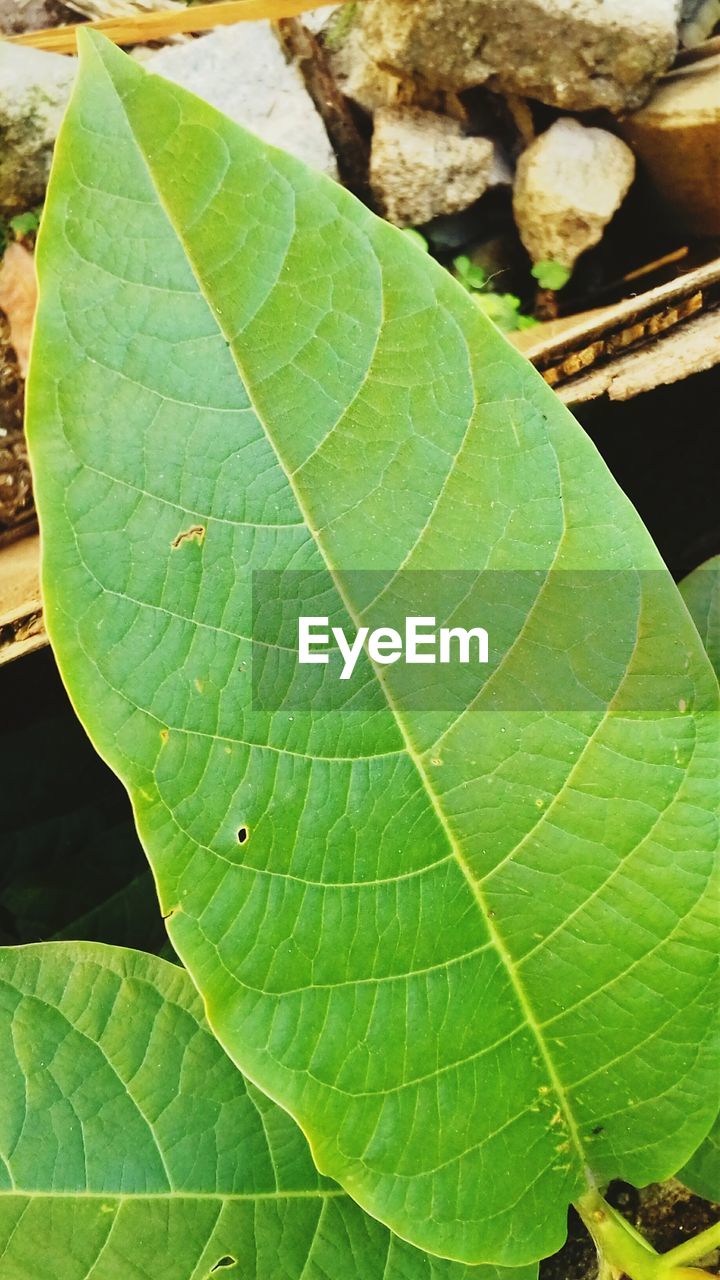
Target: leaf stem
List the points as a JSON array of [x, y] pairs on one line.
[[622, 1251], [618, 1245]]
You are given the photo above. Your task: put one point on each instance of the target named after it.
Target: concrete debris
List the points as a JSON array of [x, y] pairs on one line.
[[241, 70], [359, 77], [34, 91], [677, 139], [568, 185], [699, 18], [31, 15], [422, 165], [577, 54]]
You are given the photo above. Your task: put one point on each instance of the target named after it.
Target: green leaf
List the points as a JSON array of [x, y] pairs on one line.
[[467, 945], [702, 1171], [701, 593], [469, 274], [504, 310], [131, 1147], [551, 275], [417, 238]]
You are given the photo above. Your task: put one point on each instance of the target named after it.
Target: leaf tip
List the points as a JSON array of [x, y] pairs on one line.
[[94, 47]]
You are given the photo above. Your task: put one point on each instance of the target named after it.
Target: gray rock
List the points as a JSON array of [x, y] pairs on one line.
[[569, 183], [34, 90], [578, 54], [422, 165], [242, 71], [30, 15], [359, 77], [699, 17]]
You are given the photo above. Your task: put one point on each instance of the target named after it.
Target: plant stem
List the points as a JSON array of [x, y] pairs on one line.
[[616, 1242], [624, 1252]]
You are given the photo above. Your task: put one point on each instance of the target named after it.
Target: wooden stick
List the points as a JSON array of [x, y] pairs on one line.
[[157, 26]]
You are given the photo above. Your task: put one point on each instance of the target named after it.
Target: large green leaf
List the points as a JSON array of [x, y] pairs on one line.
[[466, 943], [702, 1171], [701, 593], [132, 1149]]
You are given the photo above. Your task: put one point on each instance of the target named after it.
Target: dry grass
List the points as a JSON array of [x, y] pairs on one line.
[[160, 25]]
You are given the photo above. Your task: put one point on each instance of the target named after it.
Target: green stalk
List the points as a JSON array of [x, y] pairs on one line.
[[624, 1252]]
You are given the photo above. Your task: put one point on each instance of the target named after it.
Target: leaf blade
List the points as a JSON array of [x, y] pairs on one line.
[[701, 592], [326, 368], [138, 1149]]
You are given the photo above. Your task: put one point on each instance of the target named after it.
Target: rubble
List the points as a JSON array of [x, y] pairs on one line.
[[270, 98], [677, 139], [32, 14], [569, 183], [34, 90], [359, 77], [699, 17], [422, 165], [576, 54]]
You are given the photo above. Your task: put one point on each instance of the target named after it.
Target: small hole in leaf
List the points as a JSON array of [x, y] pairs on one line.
[[225, 1262], [242, 835], [195, 533], [599, 1128]]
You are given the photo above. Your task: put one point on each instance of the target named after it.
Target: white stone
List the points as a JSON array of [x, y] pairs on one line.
[[422, 165], [569, 183], [242, 71], [34, 91], [699, 17], [578, 54]]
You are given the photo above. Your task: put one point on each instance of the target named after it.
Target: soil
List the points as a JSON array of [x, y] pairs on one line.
[[17, 514]]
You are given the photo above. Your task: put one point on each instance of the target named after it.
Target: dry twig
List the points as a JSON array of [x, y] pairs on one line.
[[158, 26]]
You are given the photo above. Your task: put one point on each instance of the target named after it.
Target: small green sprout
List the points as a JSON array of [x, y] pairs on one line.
[[25, 224], [22, 226], [551, 275], [469, 274], [340, 25], [502, 308]]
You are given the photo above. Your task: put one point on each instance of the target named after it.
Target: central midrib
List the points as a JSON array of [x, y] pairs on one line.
[[474, 886]]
